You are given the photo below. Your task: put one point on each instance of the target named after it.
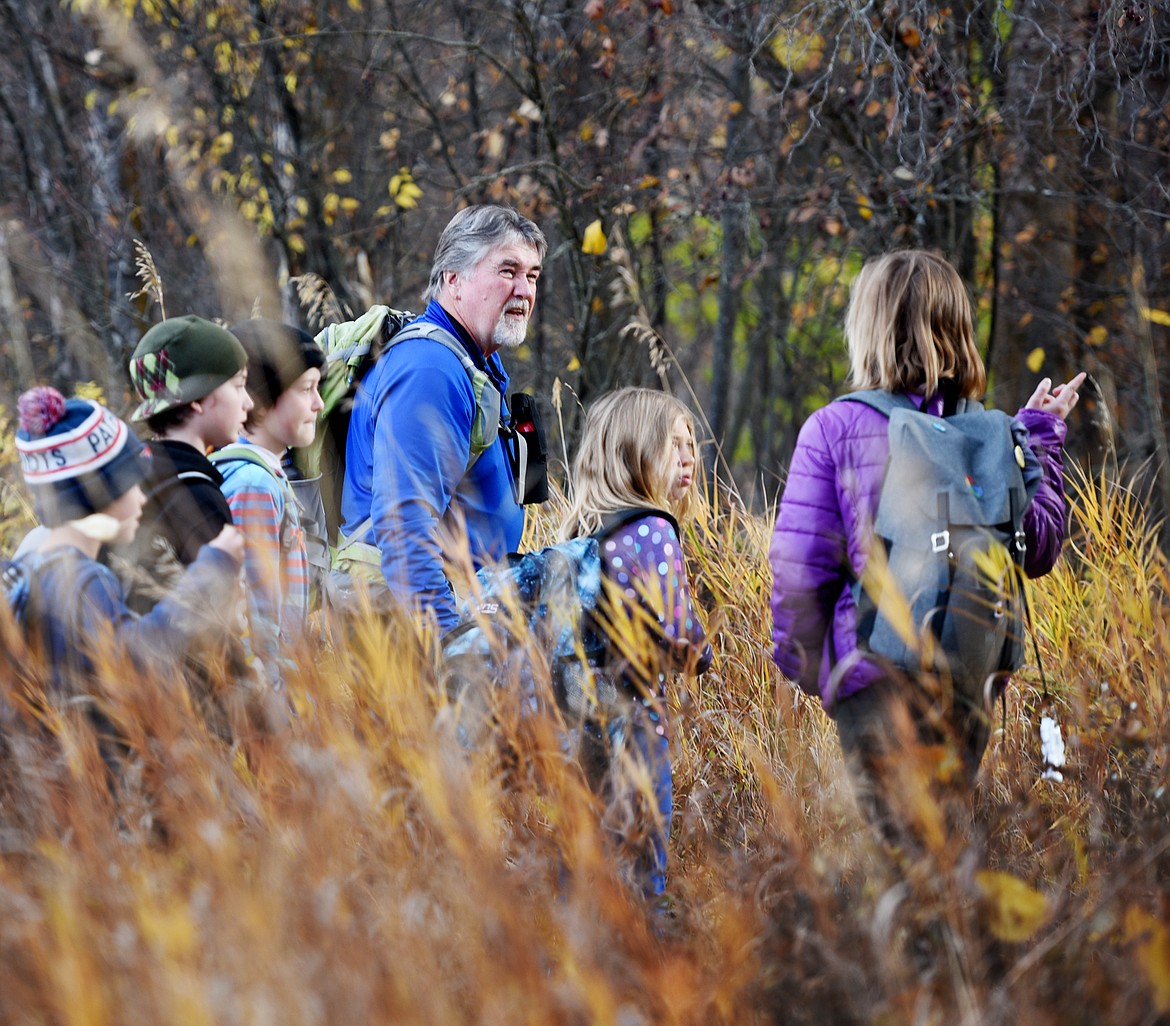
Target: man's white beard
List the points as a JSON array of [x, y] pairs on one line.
[[510, 332]]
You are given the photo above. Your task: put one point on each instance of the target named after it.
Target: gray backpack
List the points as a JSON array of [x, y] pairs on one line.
[[950, 526]]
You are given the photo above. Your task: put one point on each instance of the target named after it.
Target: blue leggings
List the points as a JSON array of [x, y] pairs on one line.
[[614, 758]]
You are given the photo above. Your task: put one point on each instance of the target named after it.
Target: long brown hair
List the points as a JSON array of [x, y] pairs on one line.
[[909, 327]]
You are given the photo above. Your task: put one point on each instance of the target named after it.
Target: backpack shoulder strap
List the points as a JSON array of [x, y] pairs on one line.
[[235, 452], [185, 475], [244, 453], [486, 426], [879, 399], [618, 519]]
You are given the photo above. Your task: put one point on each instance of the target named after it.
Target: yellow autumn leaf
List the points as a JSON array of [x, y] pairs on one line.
[[574, 364], [349, 204], [594, 241], [864, 207], [1151, 942], [406, 194], [1015, 909], [290, 82], [343, 176], [296, 243], [798, 52], [90, 390], [1035, 360], [1157, 316], [222, 144], [1097, 335], [91, 99]]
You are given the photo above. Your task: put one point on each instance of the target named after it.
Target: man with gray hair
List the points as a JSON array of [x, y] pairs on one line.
[[423, 461]]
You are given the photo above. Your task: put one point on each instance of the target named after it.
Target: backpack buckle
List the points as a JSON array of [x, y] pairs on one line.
[[940, 541], [1021, 542]]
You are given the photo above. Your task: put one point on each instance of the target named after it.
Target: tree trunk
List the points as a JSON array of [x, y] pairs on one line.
[[1036, 221], [734, 219]]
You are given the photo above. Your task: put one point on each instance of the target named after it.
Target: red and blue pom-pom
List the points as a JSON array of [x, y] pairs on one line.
[[40, 409]]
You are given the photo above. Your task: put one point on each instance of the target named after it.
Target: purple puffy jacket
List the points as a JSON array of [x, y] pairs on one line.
[[824, 528]]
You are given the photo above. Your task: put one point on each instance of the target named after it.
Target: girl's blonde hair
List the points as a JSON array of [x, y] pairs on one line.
[[909, 327], [624, 458]]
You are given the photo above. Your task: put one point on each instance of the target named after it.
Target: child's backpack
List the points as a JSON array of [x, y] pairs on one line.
[[14, 580], [543, 605], [942, 592], [17, 579]]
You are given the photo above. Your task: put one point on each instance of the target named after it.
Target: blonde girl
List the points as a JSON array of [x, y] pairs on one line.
[[635, 468]]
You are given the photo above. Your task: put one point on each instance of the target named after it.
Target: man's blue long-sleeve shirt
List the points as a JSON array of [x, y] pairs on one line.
[[406, 468]]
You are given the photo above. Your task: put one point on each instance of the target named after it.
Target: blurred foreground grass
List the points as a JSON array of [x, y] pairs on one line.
[[363, 868]]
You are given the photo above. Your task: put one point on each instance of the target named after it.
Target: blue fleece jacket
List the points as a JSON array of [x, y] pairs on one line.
[[406, 467]]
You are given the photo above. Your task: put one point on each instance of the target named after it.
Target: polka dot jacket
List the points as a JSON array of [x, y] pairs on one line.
[[645, 559]]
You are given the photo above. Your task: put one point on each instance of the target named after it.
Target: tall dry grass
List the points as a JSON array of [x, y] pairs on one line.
[[363, 867]]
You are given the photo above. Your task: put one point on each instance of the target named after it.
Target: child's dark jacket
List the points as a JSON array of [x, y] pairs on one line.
[[184, 510]]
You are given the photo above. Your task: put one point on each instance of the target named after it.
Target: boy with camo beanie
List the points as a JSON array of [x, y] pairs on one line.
[[189, 375]]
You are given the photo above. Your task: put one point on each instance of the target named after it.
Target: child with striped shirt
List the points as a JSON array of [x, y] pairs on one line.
[[284, 370]]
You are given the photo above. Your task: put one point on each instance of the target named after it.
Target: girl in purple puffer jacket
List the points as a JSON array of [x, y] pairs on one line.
[[909, 330]]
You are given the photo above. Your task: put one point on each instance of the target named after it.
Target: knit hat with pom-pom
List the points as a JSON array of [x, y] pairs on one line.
[[76, 456]]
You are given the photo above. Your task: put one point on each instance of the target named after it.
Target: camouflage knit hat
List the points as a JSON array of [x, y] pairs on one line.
[[181, 360]]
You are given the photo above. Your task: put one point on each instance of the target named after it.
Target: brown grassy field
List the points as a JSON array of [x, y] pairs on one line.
[[361, 867]]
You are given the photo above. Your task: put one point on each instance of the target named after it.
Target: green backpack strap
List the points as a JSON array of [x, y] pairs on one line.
[[246, 454], [485, 428]]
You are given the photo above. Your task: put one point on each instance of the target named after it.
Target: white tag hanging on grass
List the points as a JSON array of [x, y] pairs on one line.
[[1051, 748]]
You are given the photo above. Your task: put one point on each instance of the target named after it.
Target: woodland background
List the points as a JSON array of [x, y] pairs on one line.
[[737, 161]]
